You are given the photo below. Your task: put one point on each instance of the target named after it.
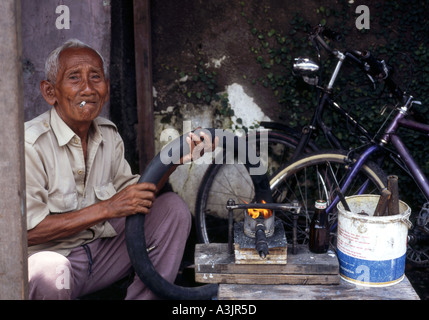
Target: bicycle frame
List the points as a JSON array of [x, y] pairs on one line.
[[317, 122], [390, 136]]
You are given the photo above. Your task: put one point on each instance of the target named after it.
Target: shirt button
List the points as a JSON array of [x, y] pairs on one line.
[[46, 124], [76, 140], [80, 172]]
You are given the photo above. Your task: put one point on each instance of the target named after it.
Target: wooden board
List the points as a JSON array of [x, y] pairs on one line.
[[344, 291], [213, 264]]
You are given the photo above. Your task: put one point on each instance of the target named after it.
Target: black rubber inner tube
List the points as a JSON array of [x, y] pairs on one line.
[[159, 169]]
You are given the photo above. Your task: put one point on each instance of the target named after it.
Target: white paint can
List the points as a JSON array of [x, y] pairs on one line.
[[371, 250]]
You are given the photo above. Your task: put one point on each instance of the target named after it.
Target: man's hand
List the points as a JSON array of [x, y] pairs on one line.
[[133, 199], [199, 144]]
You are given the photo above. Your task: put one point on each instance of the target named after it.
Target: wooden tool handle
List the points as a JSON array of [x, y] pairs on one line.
[[382, 204], [392, 186], [342, 199]]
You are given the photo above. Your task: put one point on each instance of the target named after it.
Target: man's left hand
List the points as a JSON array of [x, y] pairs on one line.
[[199, 143]]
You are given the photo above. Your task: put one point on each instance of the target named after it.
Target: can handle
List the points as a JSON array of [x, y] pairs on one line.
[[406, 221]]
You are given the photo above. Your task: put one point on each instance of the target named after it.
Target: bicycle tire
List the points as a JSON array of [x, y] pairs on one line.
[[217, 187], [418, 253], [307, 180]]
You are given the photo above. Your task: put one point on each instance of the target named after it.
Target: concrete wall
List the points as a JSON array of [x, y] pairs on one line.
[[89, 22], [13, 251]]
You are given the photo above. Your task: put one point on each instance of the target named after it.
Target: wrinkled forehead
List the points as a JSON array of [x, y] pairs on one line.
[[79, 58]]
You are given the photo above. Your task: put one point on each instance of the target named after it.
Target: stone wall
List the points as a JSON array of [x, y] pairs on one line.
[[89, 22]]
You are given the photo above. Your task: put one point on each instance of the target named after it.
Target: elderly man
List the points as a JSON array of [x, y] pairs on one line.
[[80, 189]]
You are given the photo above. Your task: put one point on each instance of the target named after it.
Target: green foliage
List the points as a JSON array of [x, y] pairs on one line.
[[201, 87], [397, 34]]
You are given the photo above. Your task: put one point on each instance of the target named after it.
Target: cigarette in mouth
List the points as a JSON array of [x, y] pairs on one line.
[[82, 104]]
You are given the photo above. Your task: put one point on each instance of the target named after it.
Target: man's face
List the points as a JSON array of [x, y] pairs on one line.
[[80, 78]]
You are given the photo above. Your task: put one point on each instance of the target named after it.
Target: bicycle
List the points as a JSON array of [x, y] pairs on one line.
[[217, 185], [329, 170]]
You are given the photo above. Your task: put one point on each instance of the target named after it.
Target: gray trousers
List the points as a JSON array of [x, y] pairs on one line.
[[167, 226]]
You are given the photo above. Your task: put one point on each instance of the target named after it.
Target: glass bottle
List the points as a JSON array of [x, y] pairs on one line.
[[319, 229]]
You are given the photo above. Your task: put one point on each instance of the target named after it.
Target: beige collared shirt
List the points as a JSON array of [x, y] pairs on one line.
[[58, 180]]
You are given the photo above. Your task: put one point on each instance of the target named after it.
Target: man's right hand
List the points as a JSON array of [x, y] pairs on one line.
[[133, 199]]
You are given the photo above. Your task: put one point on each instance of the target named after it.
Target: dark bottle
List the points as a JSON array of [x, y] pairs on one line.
[[319, 229]]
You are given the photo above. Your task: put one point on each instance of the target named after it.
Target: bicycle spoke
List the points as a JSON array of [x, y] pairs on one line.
[[316, 177], [223, 182]]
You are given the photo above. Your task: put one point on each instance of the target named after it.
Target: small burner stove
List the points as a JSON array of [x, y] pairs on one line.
[[258, 219], [259, 238]]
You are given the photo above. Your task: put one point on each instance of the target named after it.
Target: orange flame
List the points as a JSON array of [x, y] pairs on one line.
[[255, 213]]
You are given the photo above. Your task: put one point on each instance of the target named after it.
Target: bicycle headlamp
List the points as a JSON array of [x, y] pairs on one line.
[[307, 69]]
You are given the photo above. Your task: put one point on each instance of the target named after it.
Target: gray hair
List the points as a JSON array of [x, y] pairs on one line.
[[52, 64]]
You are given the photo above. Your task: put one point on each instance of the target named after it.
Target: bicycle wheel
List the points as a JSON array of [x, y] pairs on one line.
[[232, 181], [316, 176], [418, 239]]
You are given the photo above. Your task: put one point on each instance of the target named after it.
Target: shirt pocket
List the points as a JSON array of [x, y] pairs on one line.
[[104, 192], [60, 203]]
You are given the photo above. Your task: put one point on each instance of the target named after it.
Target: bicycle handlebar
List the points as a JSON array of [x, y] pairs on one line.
[[373, 66], [367, 62], [322, 42], [381, 70], [327, 33]]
